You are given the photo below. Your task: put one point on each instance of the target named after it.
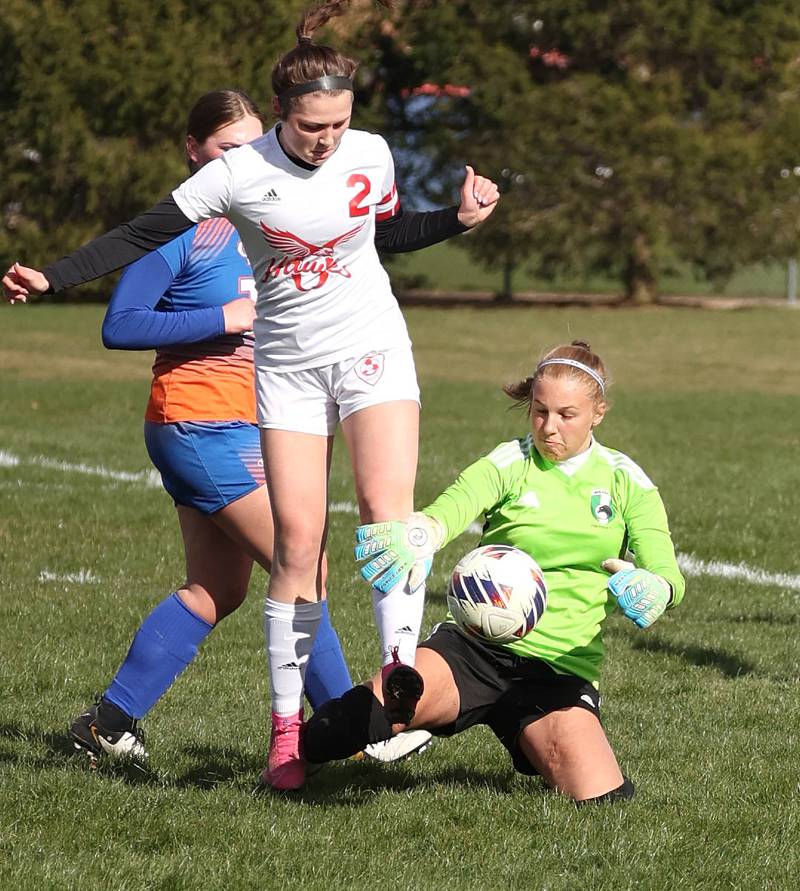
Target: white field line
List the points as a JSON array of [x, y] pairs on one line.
[[689, 564], [81, 577], [343, 507], [692, 565], [149, 478]]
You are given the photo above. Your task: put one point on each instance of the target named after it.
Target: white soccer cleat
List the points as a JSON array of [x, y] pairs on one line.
[[410, 742], [88, 735]]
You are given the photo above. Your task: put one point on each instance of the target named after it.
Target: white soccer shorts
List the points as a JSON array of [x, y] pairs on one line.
[[314, 400]]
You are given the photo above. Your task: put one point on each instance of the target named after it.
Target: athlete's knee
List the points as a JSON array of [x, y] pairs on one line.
[[297, 550], [344, 726], [229, 602], [379, 506], [212, 605], [380, 499], [625, 792], [552, 758]]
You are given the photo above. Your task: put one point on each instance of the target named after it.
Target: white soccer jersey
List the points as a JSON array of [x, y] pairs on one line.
[[323, 295]]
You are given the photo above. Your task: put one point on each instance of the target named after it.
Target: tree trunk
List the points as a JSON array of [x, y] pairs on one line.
[[507, 293], [641, 286]]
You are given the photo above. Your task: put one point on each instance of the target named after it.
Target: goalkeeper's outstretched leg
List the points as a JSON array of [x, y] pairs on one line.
[[548, 722]]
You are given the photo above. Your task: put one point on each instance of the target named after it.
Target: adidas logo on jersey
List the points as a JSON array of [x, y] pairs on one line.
[[271, 196]]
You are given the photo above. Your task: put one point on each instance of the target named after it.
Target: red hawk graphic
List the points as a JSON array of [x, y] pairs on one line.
[[300, 256]]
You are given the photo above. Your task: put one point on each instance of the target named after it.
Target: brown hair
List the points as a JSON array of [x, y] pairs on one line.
[[308, 61], [217, 109], [576, 351]]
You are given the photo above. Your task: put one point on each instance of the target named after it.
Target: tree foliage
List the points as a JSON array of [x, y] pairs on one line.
[[626, 135], [94, 97]]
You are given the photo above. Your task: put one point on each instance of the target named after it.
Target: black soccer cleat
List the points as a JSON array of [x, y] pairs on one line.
[[402, 689], [89, 735]]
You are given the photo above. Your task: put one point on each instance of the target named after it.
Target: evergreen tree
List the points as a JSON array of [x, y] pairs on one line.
[[626, 135], [94, 97]]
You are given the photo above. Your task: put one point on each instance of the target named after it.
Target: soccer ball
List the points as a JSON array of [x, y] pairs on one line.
[[497, 593]]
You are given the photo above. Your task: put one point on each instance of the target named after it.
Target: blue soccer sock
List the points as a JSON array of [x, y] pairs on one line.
[[164, 645], [327, 675]]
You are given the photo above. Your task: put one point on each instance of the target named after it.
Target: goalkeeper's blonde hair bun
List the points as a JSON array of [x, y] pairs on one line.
[[575, 360]]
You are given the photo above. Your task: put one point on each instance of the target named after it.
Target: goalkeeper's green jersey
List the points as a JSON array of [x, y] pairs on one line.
[[569, 517]]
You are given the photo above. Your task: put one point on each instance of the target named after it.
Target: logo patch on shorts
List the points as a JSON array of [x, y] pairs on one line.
[[370, 368]]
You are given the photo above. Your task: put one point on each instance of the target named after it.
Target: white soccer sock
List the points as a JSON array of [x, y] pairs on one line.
[[398, 616], [290, 629]]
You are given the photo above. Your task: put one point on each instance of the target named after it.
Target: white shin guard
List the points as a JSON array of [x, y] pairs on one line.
[[290, 630], [398, 616]]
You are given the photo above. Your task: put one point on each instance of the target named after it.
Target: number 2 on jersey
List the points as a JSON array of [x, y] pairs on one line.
[[356, 208]]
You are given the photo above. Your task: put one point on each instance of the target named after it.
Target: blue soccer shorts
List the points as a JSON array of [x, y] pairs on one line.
[[206, 464]]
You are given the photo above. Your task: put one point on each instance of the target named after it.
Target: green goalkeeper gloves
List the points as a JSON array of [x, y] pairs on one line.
[[398, 548], [643, 596]]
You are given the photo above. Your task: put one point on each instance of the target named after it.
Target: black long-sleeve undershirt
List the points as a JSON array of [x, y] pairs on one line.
[[412, 230], [406, 231], [119, 247]]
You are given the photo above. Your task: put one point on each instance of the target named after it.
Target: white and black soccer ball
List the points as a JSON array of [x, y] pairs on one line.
[[497, 593]]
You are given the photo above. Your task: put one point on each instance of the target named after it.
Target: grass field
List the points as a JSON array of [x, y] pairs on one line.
[[448, 267], [702, 710]]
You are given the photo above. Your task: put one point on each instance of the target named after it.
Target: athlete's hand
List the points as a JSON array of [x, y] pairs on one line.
[[239, 315], [398, 548], [479, 197], [643, 596], [20, 281]]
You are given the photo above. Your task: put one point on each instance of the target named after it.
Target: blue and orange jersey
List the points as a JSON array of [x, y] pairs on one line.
[[172, 300]]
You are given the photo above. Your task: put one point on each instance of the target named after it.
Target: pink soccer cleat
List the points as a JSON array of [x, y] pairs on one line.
[[286, 769]]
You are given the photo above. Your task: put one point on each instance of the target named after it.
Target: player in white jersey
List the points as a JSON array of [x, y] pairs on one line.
[[575, 506], [200, 429], [312, 200]]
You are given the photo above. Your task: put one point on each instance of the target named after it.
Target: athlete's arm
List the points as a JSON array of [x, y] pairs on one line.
[[650, 540], [392, 549], [120, 246], [478, 488], [132, 321], [412, 230], [204, 195]]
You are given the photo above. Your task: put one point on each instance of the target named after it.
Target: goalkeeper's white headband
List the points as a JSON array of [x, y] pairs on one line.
[[573, 363]]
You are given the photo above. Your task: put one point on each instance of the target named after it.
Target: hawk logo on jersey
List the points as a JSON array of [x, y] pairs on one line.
[[602, 509], [370, 368], [308, 265]]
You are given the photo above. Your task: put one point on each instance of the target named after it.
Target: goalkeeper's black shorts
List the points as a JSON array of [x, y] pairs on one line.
[[503, 690]]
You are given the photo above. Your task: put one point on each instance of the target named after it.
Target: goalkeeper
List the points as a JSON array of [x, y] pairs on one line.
[[577, 507]]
